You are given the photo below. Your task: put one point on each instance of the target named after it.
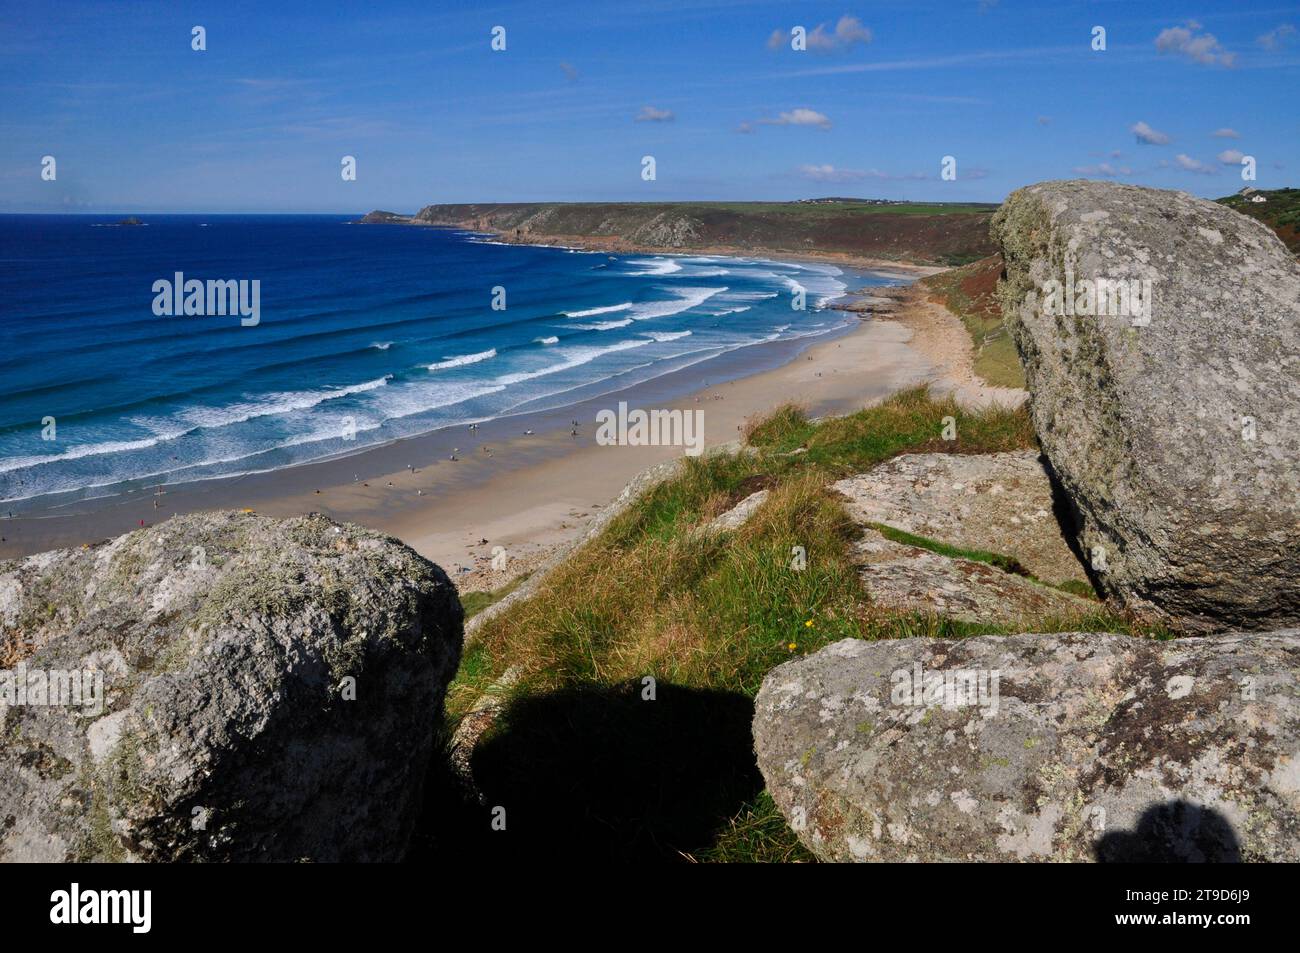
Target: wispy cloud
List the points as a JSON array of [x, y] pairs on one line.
[[1226, 133], [570, 71], [847, 32], [1046, 54], [1104, 169], [651, 114], [799, 117], [268, 82], [830, 173], [339, 128], [1276, 37], [1148, 136], [1203, 48], [1231, 156]]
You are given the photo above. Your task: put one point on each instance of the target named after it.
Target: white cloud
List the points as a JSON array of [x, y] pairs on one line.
[[745, 127], [1274, 38], [1226, 133], [847, 32], [1231, 156], [650, 114], [829, 173], [1201, 48], [1188, 164], [799, 117], [1148, 136]]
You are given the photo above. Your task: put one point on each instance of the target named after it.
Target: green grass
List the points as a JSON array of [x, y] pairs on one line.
[[1280, 212], [757, 833], [911, 421], [1005, 563], [475, 602], [706, 617]]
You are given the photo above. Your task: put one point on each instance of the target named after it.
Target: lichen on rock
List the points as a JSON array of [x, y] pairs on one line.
[[270, 691], [1174, 429], [1079, 746]]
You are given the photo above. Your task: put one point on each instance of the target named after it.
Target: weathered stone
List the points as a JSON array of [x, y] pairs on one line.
[[738, 515], [908, 578], [270, 691], [1175, 431], [1092, 747], [997, 502]]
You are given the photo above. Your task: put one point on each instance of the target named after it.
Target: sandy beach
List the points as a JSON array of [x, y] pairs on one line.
[[529, 492]]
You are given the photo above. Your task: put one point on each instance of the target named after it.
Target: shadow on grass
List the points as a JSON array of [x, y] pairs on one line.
[[599, 773]]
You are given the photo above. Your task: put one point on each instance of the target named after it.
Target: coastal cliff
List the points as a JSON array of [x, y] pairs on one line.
[[931, 233]]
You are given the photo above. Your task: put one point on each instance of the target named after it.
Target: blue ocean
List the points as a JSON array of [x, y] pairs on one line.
[[367, 334]]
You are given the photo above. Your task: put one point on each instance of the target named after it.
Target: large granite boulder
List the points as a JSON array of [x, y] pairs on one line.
[[1169, 406], [1071, 747], [222, 686]]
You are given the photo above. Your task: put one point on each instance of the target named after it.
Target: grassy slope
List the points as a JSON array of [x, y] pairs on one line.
[[921, 232], [968, 292], [475, 602], [583, 763], [1281, 213]]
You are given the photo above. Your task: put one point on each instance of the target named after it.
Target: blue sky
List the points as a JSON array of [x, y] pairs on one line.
[[138, 121]]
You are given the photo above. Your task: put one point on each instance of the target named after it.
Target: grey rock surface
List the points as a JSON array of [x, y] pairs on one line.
[[1175, 430], [270, 691], [996, 502], [1092, 746], [908, 578], [738, 515]]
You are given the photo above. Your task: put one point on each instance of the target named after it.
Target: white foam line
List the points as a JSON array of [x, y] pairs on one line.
[[591, 311], [463, 360]]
